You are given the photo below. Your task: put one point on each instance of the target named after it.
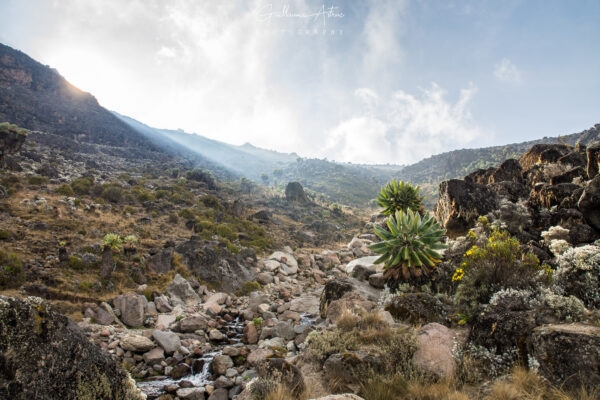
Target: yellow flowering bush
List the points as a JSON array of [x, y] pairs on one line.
[[500, 264]]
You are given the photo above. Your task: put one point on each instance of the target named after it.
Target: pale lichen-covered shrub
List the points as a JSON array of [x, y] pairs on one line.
[[558, 246], [555, 233], [578, 274], [565, 308], [514, 217]]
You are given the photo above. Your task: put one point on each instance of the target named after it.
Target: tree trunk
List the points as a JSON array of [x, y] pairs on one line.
[[107, 263]]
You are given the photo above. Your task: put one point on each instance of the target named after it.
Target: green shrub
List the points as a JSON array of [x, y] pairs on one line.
[[409, 248], [114, 241], [65, 190], [200, 175], [11, 274], [85, 286], [211, 201], [257, 322], [247, 288], [37, 180], [112, 192], [10, 180], [400, 197], [500, 264], [187, 213], [82, 186], [4, 234], [75, 263], [6, 127], [224, 231]]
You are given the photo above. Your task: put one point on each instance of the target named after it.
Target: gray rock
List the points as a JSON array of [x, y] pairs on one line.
[[285, 330], [154, 356], [434, 353], [136, 343], [193, 393], [220, 364], [364, 261], [131, 307], [193, 323], [181, 292], [169, 341], [377, 280], [219, 394], [264, 278], [162, 304]]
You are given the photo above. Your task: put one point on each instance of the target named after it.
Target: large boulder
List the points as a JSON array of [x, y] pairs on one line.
[[281, 371], [460, 203], [547, 196], [216, 265], [332, 291], [509, 170], [589, 202], [162, 261], [44, 356], [181, 292], [542, 154], [136, 343], [295, 192], [131, 307], [593, 159], [419, 308], [169, 341], [567, 354], [434, 352]]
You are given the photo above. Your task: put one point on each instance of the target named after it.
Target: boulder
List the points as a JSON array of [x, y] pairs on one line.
[[589, 202], [216, 265], [45, 356], [547, 196], [419, 308], [136, 343], [264, 278], [377, 280], [154, 356], [353, 301], [181, 292], [509, 170], [593, 159], [11, 142], [460, 203], [105, 314], [162, 304], [294, 192], [333, 290], [219, 394], [220, 364], [434, 352], [192, 393], [542, 154], [364, 261], [284, 258], [193, 323], [568, 355], [162, 261], [169, 341], [131, 307], [568, 176]]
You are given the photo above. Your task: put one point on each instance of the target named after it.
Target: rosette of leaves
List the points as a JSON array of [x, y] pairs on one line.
[[401, 196], [410, 248], [113, 241]]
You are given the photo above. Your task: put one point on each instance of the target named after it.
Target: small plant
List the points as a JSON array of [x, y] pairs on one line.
[[37, 180], [113, 241], [6, 127], [130, 240], [247, 288], [82, 186], [10, 270], [400, 197], [75, 263], [257, 322], [409, 248], [500, 264], [65, 190], [4, 234]]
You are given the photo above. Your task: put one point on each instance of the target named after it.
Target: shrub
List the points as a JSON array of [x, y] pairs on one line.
[[211, 201], [400, 197], [224, 231], [200, 175], [4, 234], [11, 274], [75, 263], [6, 127], [247, 288], [500, 264], [408, 249], [187, 213], [82, 186], [112, 192], [578, 274], [113, 241], [37, 180], [65, 190]]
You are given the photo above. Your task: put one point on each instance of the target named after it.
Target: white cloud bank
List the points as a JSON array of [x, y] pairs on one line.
[[214, 68], [403, 128]]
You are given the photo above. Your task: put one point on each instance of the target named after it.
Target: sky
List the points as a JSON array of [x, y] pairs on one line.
[[365, 81]]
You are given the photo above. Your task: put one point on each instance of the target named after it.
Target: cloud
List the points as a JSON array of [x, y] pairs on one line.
[[404, 128], [506, 71]]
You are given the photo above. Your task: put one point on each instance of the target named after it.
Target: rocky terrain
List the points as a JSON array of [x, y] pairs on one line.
[[128, 271]]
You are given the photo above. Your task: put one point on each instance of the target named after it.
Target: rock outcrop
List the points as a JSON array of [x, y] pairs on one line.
[[44, 356], [460, 203], [295, 192]]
